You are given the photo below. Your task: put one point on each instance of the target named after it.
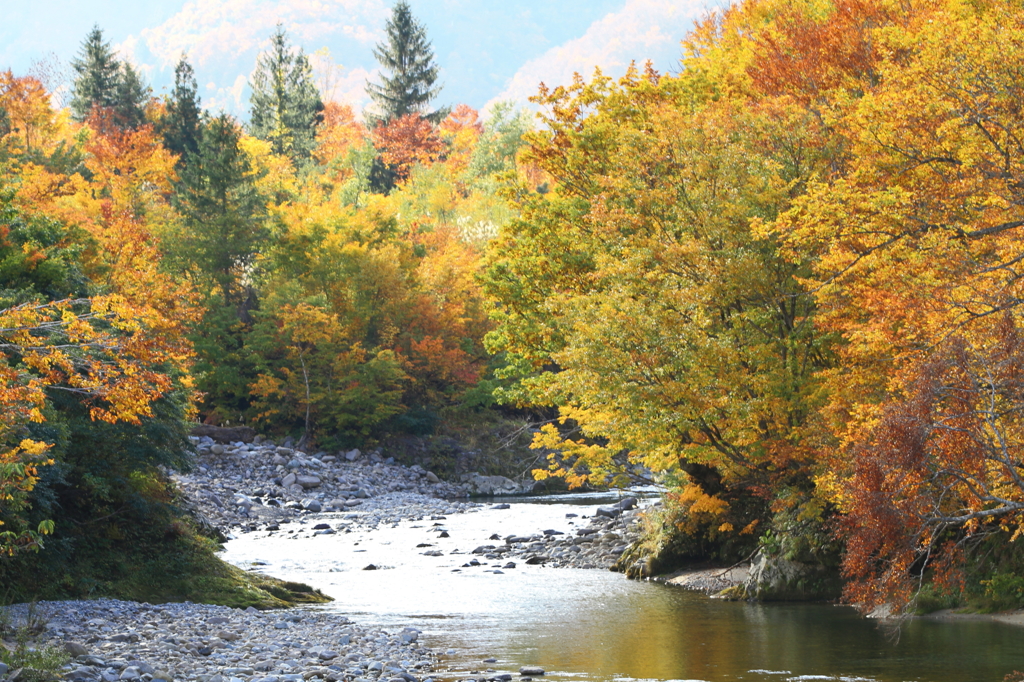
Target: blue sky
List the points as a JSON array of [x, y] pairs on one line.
[[487, 50]]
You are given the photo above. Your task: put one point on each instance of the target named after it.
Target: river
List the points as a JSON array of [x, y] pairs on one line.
[[599, 626]]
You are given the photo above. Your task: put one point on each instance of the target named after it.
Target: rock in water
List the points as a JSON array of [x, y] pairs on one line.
[[531, 670]]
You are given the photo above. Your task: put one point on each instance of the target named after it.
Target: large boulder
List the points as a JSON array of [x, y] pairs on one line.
[[308, 482], [477, 484], [776, 578]]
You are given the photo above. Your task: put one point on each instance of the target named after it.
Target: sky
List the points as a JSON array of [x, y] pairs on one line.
[[487, 50]]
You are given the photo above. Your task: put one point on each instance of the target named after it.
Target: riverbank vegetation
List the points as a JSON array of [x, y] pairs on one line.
[[783, 282]]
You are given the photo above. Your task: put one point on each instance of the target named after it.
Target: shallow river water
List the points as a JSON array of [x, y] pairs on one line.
[[597, 625]]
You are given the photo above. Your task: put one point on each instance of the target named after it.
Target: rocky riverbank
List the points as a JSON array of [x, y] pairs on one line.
[[599, 543], [115, 641], [261, 487]]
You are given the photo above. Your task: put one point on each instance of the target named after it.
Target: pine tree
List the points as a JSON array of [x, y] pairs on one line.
[[285, 105], [105, 82], [181, 125], [409, 59]]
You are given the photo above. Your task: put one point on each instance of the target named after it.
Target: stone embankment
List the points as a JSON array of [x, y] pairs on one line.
[[114, 641]]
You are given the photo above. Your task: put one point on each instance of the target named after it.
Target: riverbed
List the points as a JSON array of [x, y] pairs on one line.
[[597, 625]]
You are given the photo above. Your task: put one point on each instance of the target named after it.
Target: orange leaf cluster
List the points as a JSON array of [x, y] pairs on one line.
[[406, 142]]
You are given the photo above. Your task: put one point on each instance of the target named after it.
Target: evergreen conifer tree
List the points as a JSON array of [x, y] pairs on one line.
[[98, 74], [105, 82], [130, 97], [285, 105], [181, 125], [408, 59]]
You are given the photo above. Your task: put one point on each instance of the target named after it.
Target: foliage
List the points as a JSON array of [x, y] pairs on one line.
[[222, 213], [636, 298], [407, 141]]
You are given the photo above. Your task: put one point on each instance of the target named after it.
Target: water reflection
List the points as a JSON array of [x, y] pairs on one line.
[[596, 625]]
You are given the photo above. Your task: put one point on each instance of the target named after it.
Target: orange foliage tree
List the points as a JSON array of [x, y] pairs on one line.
[[407, 141]]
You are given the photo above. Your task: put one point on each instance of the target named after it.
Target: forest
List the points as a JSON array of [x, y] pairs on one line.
[[782, 282]]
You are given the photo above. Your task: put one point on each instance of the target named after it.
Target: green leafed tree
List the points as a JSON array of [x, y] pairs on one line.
[[285, 105], [407, 58], [104, 81], [181, 125]]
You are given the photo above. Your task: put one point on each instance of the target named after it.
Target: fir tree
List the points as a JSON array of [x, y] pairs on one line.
[[181, 124], [285, 105], [105, 82], [407, 56]]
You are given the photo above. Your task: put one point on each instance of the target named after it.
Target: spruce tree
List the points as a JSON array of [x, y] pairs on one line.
[[182, 122], [408, 60], [130, 97], [98, 75], [285, 105], [105, 82]]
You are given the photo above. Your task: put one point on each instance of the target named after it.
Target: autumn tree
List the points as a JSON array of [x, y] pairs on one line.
[[285, 105], [914, 244], [405, 142], [407, 87], [636, 298]]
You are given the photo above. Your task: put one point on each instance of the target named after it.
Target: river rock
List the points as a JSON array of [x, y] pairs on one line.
[[308, 482], [288, 481], [775, 578], [531, 671], [75, 649]]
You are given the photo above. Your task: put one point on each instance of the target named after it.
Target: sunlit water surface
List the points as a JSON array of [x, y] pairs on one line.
[[597, 625]]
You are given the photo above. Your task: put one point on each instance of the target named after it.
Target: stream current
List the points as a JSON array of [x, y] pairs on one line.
[[597, 625]]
